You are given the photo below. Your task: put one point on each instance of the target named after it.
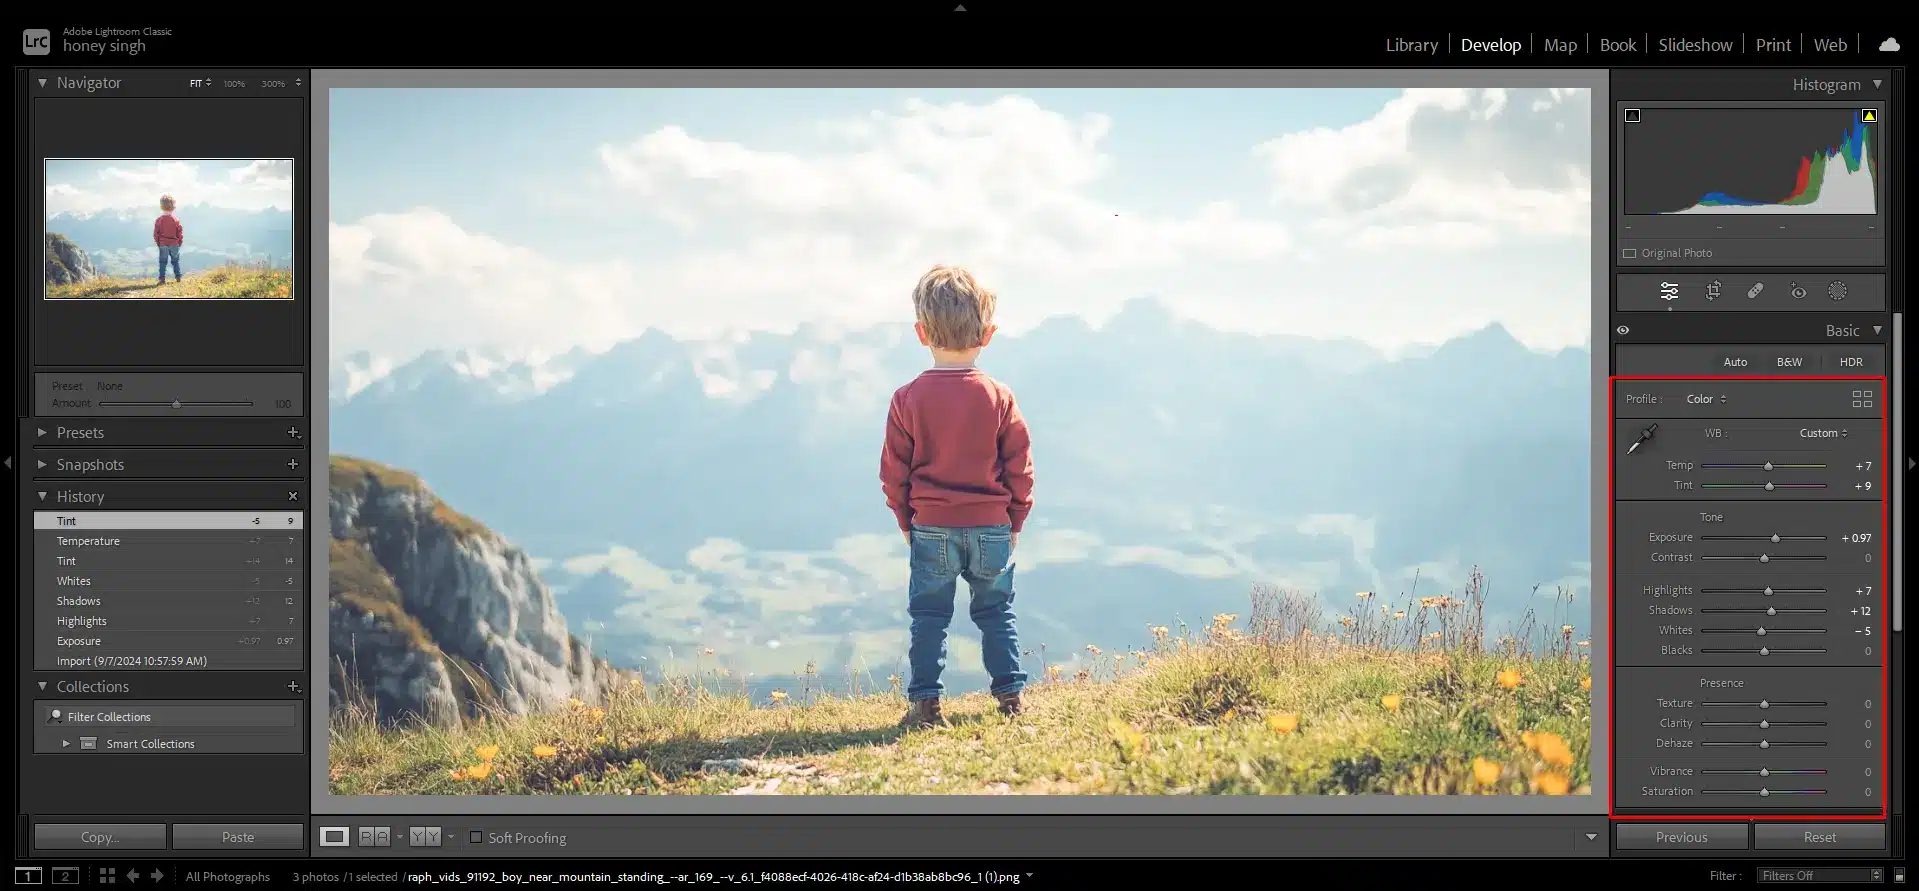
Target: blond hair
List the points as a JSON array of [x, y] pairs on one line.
[[953, 307], [166, 202]]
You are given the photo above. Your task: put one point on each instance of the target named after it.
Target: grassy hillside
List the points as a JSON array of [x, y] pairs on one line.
[[1267, 706], [220, 283]]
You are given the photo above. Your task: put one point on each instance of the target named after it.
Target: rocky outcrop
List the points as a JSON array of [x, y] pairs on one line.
[[66, 262], [434, 617]]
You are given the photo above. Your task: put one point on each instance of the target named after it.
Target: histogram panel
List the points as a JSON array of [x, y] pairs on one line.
[[1742, 161]]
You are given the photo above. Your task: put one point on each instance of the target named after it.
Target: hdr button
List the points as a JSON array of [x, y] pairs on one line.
[[1682, 837], [1821, 836]]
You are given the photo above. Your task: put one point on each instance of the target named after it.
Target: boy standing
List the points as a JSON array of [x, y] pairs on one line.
[[167, 236], [957, 470]]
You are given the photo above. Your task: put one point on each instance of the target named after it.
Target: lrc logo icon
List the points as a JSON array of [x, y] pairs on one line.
[[36, 41]]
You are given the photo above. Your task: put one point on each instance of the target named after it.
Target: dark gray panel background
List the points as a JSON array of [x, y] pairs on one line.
[[1669, 251], [214, 728], [1756, 239], [1854, 617], [1747, 399], [174, 593], [1852, 754], [80, 462], [1659, 627], [1671, 465], [169, 431], [1720, 360], [270, 394], [1864, 292], [1128, 832], [121, 333], [160, 495]]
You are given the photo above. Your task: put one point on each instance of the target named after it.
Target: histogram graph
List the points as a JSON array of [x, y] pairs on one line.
[[1751, 161]]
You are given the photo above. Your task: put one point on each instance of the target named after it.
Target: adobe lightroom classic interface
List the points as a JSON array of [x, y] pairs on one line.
[[474, 466]]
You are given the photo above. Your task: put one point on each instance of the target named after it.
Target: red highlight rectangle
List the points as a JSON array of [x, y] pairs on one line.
[[1885, 598]]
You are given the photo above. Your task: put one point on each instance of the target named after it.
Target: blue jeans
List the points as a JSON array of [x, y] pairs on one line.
[[941, 556], [169, 252]]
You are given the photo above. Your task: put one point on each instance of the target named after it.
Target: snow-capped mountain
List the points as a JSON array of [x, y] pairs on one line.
[[689, 493]]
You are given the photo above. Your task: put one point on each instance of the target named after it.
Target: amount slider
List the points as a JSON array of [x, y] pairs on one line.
[[176, 404]]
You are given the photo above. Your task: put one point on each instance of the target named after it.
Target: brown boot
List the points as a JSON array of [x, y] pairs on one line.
[[923, 713], [1009, 704]]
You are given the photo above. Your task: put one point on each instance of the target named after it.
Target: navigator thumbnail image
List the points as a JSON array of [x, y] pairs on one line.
[[168, 229], [1749, 161]]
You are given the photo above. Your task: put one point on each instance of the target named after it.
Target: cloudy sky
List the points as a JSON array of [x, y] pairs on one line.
[[86, 187], [540, 220]]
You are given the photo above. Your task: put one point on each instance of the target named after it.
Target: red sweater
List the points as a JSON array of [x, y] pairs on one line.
[[167, 230], [957, 452]]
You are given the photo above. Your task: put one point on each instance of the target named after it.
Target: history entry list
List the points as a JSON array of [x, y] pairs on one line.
[[204, 590]]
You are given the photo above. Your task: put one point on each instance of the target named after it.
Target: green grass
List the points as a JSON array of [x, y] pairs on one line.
[[1275, 708], [219, 283]]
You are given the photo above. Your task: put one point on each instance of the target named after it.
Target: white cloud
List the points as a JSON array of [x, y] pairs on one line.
[[402, 282], [88, 187], [772, 236], [1447, 168]]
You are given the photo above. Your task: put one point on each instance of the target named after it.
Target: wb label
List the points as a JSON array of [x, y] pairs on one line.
[[36, 42]]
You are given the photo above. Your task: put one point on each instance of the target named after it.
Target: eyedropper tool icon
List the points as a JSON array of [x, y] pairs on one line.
[[1645, 436]]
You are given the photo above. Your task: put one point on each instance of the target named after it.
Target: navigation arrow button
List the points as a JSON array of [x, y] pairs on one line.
[[43, 685], [43, 496], [42, 464]]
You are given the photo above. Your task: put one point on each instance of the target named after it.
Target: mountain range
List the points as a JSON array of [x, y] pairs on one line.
[[684, 495], [120, 242]]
